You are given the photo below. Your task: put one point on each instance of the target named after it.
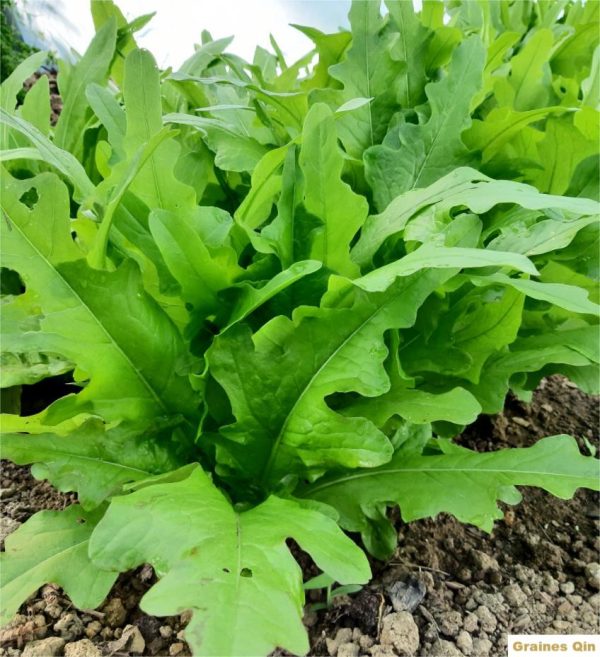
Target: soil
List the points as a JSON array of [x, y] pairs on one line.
[[450, 589], [55, 99]]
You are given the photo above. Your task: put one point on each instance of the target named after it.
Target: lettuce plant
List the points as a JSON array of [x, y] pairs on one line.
[[282, 289]]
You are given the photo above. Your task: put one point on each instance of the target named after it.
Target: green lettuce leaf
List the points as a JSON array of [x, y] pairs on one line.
[[26, 369], [52, 547], [232, 569], [414, 156], [577, 347], [420, 484], [416, 406], [462, 187], [283, 423], [66, 163], [86, 313], [368, 70], [92, 67], [326, 197], [93, 460], [156, 184]]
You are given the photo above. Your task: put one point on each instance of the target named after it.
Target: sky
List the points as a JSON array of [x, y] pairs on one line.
[[178, 23]]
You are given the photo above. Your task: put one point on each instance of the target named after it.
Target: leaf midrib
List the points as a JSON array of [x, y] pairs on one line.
[[445, 119], [149, 134], [484, 330], [99, 461], [482, 470], [309, 384]]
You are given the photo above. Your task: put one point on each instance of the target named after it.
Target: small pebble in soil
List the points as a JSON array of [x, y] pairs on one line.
[[513, 594], [589, 617], [567, 588], [348, 650], [487, 620], [522, 573], [106, 633], [561, 625], [594, 602], [186, 617], [69, 627], [484, 562], [566, 611], [49, 647], [381, 651], [92, 629], [130, 640], [146, 573], [23, 629], [464, 641], [176, 649], [115, 613], [343, 635], [400, 631], [522, 622], [53, 609], [50, 593], [83, 648], [550, 584], [470, 623], [482, 647], [450, 623], [592, 574], [407, 595], [365, 642], [443, 648]]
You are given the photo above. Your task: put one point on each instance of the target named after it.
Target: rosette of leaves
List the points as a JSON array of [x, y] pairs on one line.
[[281, 289]]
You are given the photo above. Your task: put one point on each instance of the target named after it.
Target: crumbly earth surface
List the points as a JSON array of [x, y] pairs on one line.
[[450, 590]]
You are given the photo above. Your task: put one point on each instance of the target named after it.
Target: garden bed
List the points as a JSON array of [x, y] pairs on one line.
[[449, 590]]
